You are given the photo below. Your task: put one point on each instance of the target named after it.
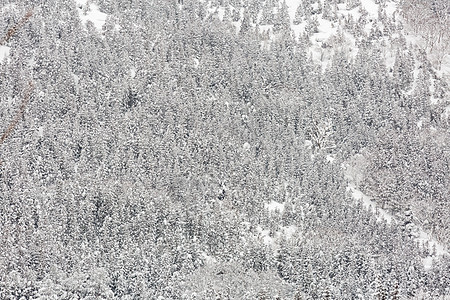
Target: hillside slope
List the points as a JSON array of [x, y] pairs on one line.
[[218, 150]]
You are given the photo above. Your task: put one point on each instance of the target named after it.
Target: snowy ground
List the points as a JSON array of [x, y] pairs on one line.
[[273, 239], [4, 52], [369, 204], [274, 206], [89, 11]]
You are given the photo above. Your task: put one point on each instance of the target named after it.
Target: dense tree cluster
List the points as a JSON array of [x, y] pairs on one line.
[[150, 149]]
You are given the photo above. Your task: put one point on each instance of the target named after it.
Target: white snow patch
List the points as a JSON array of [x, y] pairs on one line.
[[326, 30], [436, 249], [7, 7], [264, 235], [391, 8], [420, 123], [371, 7], [40, 132], [369, 204], [76, 80], [308, 144], [221, 13], [274, 206], [31, 62], [195, 62], [133, 72], [4, 52], [317, 52], [246, 225], [208, 259], [91, 12], [289, 231], [389, 59], [425, 238], [298, 29], [355, 13], [414, 82], [292, 7], [330, 158], [428, 263], [246, 146], [446, 113], [285, 231]]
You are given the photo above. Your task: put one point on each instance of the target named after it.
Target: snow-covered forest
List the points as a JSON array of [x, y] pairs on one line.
[[225, 149]]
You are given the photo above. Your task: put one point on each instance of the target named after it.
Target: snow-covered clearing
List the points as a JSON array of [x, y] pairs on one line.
[[4, 52], [91, 12], [273, 240], [371, 7], [264, 234], [292, 7], [274, 206]]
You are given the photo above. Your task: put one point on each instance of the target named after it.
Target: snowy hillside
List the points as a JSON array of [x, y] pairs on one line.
[[224, 149], [345, 21]]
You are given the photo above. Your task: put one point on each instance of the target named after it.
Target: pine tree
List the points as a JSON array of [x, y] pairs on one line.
[[298, 18], [282, 21]]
